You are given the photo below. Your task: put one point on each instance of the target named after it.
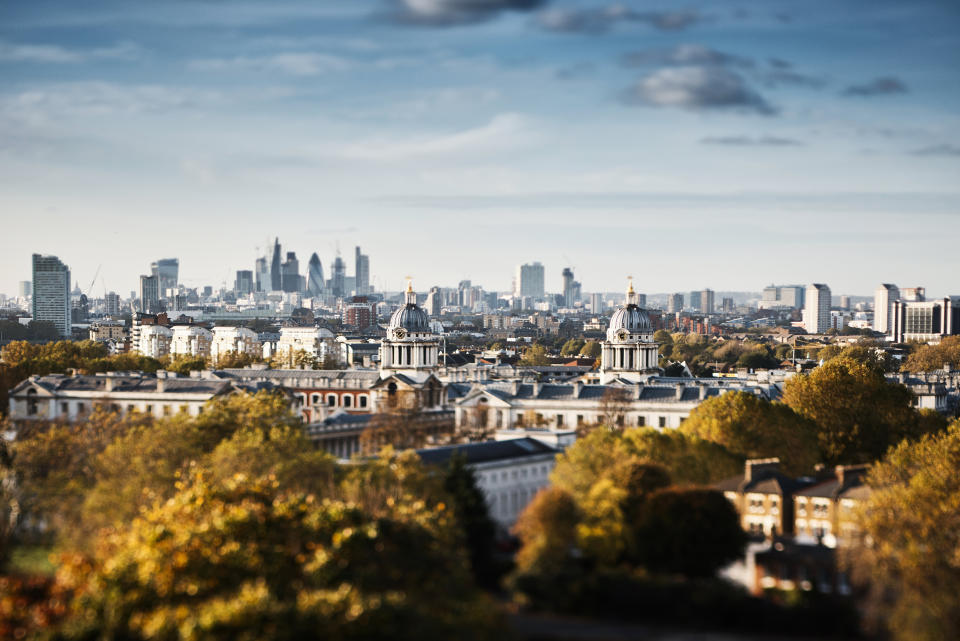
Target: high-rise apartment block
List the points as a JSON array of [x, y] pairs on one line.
[[112, 304], [707, 301], [434, 303], [51, 292], [913, 294], [694, 302], [783, 296], [149, 294], [596, 303], [816, 313], [675, 303], [529, 281], [883, 298], [24, 288]]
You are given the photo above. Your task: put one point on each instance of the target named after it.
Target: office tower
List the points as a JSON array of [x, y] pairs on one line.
[[315, 282], [261, 274], [244, 282], [596, 303], [883, 298], [465, 293], [111, 304], [706, 301], [776, 296], [816, 314], [338, 277], [149, 294], [567, 276], [51, 292], [727, 305], [24, 288], [925, 320], [167, 271], [845, 303], [276, 273], [695, 302], [529, 281], [290, 274], [675, 303], [361, 273], [913, 294], [433, 304]]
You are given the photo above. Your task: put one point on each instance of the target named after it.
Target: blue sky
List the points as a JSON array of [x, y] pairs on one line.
[[723, 144]]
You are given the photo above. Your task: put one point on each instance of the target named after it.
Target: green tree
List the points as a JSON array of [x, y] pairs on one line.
[[909, 555], [183, 365], [689, 531], [470, 511], [757, 359], [535, 356], [572, 346], [688, 459], [591, 349], [547, 530], [752, 427], [857, 412], [243, 559]]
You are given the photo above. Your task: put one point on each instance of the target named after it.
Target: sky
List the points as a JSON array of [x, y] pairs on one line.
[[724, 144]]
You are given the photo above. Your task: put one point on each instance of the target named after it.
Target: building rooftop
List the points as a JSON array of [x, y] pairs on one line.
[[486, 452]]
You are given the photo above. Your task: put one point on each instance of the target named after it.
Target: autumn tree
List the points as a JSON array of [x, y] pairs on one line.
[[909, 556], [752, 427], [591, 349], [926, 358], [857, 412], [614, 405], [687, 458], [535, 356], [243, 558], [547, 530]]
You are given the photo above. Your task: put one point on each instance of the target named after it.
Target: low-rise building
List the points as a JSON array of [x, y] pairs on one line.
[[509, 473], [154, 341], [190, 340], [234, 340], [824, 511], [316, 342], [763, 497]]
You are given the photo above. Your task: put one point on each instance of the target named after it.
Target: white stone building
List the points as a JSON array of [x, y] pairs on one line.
[[190, 340], [154, 341], [234, 340], [317, 342]]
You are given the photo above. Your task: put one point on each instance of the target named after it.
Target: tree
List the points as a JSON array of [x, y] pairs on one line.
[[470, 511], [926, 358], [687, 459], [757, 359], [572, 347], [909, 554], [244, 559], [547, 531], [752, 427], [184, 364], [614, 405], [857, 412], [689, 531], [535, 356], [591, 349]]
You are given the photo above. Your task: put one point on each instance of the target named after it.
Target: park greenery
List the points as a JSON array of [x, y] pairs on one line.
[[231, 525]]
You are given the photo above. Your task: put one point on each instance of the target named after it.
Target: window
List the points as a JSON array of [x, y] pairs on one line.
[[64, 408], [641, 421], [148, 409], [362, 399], [81, 408], [130, 408], [166, 410], [331, 400], [315, 399], [348, 401], [662, 421], [32, 402]]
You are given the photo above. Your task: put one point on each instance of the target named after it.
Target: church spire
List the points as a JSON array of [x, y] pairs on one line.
[[410, 296], [631, 294]]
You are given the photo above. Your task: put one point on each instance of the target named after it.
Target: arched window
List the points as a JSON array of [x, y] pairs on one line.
[[331, 400], [348, 401], [315, 399]]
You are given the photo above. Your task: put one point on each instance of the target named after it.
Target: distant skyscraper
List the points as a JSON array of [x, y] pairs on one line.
[[149, 294], [244, 282], [276, 273], [261, 273], [315, 282], [290, 271], [775, 296], [914, 294], [361, 273], [433, 305], [51, 292], [816, 314], [695, 303], [727, 305], [112, 304], [529, 281], [883, 299], [167, 271], [675, 303], [567, 276], [596, 303], [706, 301], [845, 303], [24, 288], [465, 294], [338, 277]]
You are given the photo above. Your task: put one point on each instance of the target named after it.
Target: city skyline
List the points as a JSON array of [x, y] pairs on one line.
[[677, 141]]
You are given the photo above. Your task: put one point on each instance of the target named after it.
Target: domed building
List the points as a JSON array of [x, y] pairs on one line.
[[629, 352], [410, 345]]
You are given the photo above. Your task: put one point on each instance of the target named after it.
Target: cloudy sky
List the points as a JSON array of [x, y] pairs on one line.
[[727, 144]]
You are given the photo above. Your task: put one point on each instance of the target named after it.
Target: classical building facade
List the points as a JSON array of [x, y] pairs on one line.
[[629, 352], [410, 347]]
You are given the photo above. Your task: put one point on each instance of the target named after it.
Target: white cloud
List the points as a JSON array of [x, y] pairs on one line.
[[698, 87], [55, 54], [504, 131], [293, 63]]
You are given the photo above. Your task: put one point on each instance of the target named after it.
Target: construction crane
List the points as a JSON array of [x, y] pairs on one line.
[[92, 282]]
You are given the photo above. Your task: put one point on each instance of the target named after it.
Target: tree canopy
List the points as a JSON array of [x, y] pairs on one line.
[[926, 358], [910, 551]]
